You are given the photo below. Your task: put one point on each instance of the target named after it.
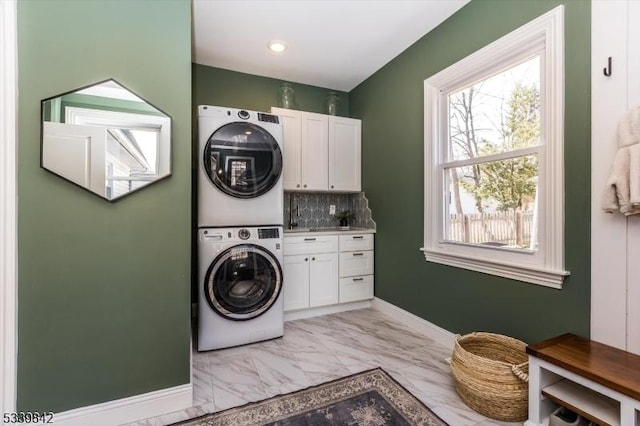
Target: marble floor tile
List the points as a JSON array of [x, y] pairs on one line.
[[320, 349], [202, 379], [275, 365], [235, 382]]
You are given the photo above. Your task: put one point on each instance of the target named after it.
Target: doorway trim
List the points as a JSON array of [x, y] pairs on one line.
[[8, 206]]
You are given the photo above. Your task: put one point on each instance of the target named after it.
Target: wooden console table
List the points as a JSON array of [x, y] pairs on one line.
[[600, 382]]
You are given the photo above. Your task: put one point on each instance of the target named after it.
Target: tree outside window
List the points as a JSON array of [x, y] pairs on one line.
[[494, 202]]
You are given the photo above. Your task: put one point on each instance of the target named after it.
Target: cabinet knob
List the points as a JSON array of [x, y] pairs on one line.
[[306, 259], [298, 186], [313, 258], [331, 186], [304, 186]]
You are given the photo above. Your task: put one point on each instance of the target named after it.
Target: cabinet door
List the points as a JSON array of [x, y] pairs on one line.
[[356, 242], [292, 134], [344, 154], [315, 152], [353, 289], [310, 244], [296, 282], [356, 263], [323, 279]]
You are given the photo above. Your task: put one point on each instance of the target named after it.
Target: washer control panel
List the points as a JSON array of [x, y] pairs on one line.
[[239, 234]]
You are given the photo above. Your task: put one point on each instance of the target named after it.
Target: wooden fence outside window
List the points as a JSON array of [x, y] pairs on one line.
[[499, 228]]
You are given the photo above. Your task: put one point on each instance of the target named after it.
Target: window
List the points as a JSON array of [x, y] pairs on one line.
[[136, 149], [494, 130]]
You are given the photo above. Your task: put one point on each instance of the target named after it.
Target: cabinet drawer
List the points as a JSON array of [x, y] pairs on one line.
[[310, 244], [356, 242], [356, 263], [356, 288]]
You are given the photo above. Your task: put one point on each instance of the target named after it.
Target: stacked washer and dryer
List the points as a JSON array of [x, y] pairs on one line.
[[240, 217]]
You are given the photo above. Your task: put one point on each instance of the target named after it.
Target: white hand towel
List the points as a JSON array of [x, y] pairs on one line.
[[629, 128], [616, 196], [634, 175]]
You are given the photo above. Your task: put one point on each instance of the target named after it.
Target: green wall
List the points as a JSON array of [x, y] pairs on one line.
[[216, 86], [390, 104], [103, 287]]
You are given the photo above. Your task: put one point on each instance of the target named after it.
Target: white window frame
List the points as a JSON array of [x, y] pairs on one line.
[[160, 124], [545, 266]]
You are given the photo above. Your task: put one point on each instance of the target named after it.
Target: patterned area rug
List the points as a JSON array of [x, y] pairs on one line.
[[370, 398]]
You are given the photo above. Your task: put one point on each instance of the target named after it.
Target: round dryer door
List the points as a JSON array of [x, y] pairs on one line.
[[243, 282], [243, 160]]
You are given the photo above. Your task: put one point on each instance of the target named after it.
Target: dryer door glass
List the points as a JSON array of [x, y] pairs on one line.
[[243, 160], [243, 282]]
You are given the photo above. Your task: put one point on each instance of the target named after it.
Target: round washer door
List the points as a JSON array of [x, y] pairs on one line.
[[243, 160], [243, 282]]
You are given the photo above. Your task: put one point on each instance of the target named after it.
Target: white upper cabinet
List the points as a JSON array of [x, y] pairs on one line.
[[321, 152], [315, 152], [344, 154], [292, 150]]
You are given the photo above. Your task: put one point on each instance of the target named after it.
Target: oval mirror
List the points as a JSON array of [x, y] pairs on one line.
[[105, 139]]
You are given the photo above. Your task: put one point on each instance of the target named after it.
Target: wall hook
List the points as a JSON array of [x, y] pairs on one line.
[[607, 70]]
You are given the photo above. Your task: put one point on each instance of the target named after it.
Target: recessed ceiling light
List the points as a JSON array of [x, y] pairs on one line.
[[277, 46]]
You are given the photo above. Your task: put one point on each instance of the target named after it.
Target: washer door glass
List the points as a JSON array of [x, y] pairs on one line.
[[243, 160], [243, 282]]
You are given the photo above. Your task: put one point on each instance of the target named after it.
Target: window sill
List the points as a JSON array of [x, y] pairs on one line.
[[525, 273]]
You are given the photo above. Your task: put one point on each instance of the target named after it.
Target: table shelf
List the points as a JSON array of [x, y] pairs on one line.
[[584, 401]]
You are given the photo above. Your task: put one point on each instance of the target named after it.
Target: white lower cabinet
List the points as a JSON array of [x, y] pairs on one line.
[[310, 271], [323, 279], [356, 263], [322, 270], [356, 267], [296, 282], [353, 289]]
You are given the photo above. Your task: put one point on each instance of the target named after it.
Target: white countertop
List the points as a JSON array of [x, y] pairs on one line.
[[327, 231]]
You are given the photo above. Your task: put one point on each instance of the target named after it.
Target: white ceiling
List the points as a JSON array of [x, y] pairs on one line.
[[335, 44]]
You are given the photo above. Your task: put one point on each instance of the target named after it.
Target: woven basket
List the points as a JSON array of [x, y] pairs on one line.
[[491, 374]]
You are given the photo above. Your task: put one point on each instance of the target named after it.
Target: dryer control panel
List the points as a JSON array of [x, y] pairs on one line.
[[267, 118], [264, 233]]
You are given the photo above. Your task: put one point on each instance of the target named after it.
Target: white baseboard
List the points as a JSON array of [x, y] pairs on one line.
[[130, 409], [434, 332], [325, 310]]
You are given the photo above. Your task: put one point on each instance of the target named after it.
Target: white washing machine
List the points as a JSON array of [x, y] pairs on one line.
[[240, 168], [240, 286]]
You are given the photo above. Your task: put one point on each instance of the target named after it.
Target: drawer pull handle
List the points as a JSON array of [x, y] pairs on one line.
[[358, 279], [358, 254], [358, 237], [309, 239]]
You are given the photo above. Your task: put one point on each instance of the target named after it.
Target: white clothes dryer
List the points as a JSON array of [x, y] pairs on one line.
[[240, 168], [240, 286]]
